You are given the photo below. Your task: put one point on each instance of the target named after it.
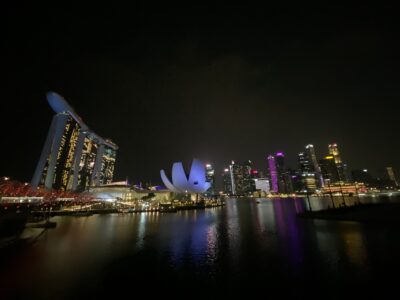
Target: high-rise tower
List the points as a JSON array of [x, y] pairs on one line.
[[238, 179], [329, 169], [391, 176], [341, 167], [314, 166], [210, 177], [73, 156], [334, 151], [273, 172]]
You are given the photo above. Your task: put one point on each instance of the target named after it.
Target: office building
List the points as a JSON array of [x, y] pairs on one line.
[[228, 183], [273, 173], [329, 170], [239, 179], [210, 178], [340, 166], [280, 177], [262, 184], [315, 168], [391, 176]]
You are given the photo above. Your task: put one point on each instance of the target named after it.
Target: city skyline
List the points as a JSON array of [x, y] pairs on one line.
[[223, 151], [169, 86]]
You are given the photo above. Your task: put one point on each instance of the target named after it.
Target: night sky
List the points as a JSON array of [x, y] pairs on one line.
[[172, 83]]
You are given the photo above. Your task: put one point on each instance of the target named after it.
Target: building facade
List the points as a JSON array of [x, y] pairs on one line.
[[280, 177], [329, 170], [392, 176], [210, 178], [227, 181], [238, 179], [273, 173], [262, 184], [340, 166], [73, 156]]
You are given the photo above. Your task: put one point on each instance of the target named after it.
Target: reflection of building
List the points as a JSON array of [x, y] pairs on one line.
[[73, 156]]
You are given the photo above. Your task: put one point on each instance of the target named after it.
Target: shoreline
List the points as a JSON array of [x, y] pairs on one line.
[[119, 211], [367, 213]]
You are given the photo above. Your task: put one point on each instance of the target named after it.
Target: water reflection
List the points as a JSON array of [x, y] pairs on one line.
[[355, 248], [244, 241]]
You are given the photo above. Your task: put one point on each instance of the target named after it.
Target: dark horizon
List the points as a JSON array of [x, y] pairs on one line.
[[220, 85]]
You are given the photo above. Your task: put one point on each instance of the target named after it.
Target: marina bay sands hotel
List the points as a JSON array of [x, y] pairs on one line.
[[73, 156]]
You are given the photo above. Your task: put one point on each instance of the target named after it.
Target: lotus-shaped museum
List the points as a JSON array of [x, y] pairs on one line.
[[196, 183]]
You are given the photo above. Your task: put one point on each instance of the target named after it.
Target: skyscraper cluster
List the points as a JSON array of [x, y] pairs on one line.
[[329, 173], [239, 178]]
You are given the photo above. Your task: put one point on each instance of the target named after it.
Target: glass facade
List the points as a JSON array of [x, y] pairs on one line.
[[73, 157]]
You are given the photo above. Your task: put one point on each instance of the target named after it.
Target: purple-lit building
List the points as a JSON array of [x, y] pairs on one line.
[[273, 173], [280, 178]]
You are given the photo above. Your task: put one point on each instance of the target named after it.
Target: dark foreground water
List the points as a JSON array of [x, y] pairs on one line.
[[259, 250]]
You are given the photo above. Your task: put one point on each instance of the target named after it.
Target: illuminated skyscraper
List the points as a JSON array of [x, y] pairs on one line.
[[309, 167], [310, 151], [341, 167], [304, 163], [280, 167], [391, 175], [228, 184], [210, 177], [334, 151], [73, 156], [307, 174], [273, 173], [329, 169], [238, 179], [280, 177]]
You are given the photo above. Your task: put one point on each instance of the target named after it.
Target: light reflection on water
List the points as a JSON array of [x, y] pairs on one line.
[[242, 242]]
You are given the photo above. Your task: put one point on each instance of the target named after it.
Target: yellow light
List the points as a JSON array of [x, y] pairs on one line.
[[329, 157]]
